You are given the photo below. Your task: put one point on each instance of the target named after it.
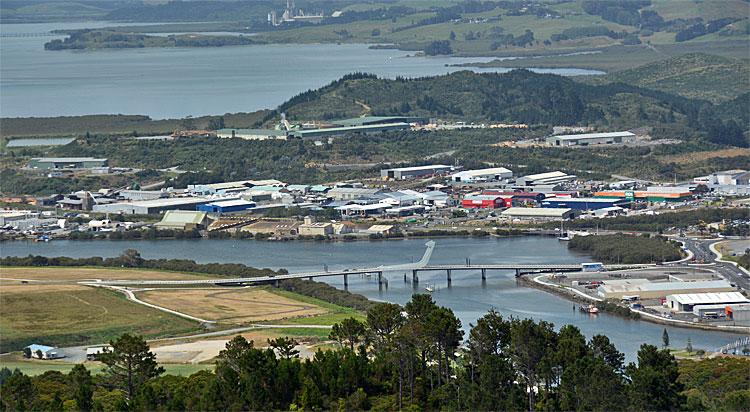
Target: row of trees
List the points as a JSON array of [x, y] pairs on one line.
[[405, 358]]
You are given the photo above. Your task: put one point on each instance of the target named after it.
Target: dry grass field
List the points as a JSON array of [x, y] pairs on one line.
[[691, 157], [69, 274], [76, 315], [231, 305]]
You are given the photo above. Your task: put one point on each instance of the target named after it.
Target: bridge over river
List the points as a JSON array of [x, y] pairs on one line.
[[421, 266]]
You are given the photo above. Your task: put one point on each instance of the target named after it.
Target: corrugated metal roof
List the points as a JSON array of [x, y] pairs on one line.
[[709, 298], [593, 135], [535, 211]]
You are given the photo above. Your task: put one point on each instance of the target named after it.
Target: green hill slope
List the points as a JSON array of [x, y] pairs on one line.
[[694, 75]]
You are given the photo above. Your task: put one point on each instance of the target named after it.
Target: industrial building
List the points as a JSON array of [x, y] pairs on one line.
[[584, 203], [402, 173], [183, 220], [338, 131], [66, 163], [482, 202], [689, 301], [515, 198], [350, 193], [148, 207], [252, 134], [280, 227], [404, 211], [645, 289], [143, 194], [310, 228], [589, 139], [226, 206], [541, 214], [482, 175], [545, 179], [651, 194]]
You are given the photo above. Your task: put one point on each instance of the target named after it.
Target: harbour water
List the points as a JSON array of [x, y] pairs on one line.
[[177, 82], [468, 297]]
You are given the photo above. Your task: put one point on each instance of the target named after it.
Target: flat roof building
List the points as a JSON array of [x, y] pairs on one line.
[[644, 289], [149, 207], [252, 134], [66, 163], [482, 175], [531, 213], [583, 203], [401, 173], [588, 139], [545, 179], [687, 301], [226, 206]]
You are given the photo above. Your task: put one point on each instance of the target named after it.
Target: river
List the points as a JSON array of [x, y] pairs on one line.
[[467, 297], [177, 82]]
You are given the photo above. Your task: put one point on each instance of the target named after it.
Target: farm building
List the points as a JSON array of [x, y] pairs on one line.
[[43, 352], [402, 173], [589, 139], [583, 203]]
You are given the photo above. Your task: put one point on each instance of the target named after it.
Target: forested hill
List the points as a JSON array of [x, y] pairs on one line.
[[695, 75], [518, 96]]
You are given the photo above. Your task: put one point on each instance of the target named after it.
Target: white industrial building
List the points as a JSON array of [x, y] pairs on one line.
[[645, 289], [690, 302], [147, 207], [589, 139], [535, 213], [541, 179], [482, 175], [401, 173]]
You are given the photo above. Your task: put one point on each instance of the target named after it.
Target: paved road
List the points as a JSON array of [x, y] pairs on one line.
[[702, 252]]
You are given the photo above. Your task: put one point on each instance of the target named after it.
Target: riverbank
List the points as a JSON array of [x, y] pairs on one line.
[[576, 296]]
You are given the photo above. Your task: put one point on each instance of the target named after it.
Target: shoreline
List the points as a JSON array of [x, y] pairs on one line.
[[577, 297]]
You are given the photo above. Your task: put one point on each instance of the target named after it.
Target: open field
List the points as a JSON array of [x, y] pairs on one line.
[[233, 305], [72, 274], [334, 313], [690, 157], [37, 367], [76, 315]]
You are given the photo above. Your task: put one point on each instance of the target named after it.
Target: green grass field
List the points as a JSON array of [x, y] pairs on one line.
[[60, 315], [37, 367]]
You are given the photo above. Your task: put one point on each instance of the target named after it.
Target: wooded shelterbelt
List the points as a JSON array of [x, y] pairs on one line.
[[409, 358], [620, 248]]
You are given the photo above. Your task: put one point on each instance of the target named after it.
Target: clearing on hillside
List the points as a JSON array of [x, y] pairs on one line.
[[60, 315], [231, 305]]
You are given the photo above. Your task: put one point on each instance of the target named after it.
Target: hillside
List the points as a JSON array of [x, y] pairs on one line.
[[518, 96], [694, 75]]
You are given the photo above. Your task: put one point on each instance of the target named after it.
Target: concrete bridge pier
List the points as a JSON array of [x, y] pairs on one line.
[[380, 277], [346, 281], [310, 278], [276, 283], [414, 277], [484, 274], [518, 273], [448, 271]]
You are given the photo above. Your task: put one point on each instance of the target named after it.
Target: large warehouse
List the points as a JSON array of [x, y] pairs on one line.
[[534, 213], [401, 173], [644, 289], [148, 207], [687, 302], [226, 206], [588, 139], [584, 203], [482, 175], [66, 163]]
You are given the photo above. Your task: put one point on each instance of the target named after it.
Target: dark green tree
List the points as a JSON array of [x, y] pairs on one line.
[[83, 387], [130, 364], [654, 381]]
